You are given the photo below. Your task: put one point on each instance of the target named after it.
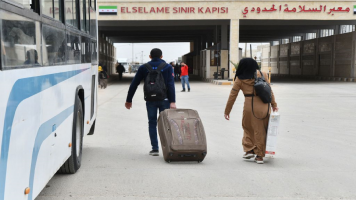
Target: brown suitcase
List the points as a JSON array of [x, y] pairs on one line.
[[182, 135]]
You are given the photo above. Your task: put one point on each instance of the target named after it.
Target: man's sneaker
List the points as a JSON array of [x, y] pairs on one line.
[[259, 160], [249, 155], [183, 91], [188, 90], [154, 153]]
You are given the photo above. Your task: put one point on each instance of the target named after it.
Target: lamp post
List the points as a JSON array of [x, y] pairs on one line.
[[217, 55]]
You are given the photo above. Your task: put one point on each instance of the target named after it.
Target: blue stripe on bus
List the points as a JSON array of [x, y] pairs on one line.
[[44, 131], [21, 90]]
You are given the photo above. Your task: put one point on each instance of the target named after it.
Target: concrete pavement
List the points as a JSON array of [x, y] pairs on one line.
[[314, 160]]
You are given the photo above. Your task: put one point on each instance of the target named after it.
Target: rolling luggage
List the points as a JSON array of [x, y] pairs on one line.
[[182, 135]]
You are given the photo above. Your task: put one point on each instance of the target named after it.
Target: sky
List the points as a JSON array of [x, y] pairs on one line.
[[171, 51]]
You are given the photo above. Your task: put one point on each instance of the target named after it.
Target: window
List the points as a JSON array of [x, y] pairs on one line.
[[20, 41], [310, 36], [82, 14], [274, 43], [58, 14], [93, 23], [53, 47], [73, 49], [86, 53], [52, 8], [87, 16], [297, 38], [94, 55], [347, 28], [93, 4], [26, 4], [71, 12], [285, 41], [326, 32]]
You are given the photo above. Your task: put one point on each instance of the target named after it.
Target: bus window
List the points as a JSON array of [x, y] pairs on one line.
[[93, 4], [52, 8], [94, 53], [82, 14], [53, 47], [88, 13], [58, 14], [20, 41], [73, 49], [86, 53], [71, 12], [26, 4], [47, 7], [93, 23]]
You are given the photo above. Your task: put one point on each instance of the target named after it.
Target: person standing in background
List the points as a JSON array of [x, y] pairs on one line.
[[103, 78], [184, 76], [120, 69], [176, 72]]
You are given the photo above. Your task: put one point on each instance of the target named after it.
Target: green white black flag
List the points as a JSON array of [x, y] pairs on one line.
[[107, 10]]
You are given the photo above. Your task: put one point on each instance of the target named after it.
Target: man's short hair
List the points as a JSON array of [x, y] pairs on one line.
[[156, 53]]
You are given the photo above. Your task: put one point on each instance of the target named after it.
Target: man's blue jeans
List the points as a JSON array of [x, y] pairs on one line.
[[185, 79], [152, 107]]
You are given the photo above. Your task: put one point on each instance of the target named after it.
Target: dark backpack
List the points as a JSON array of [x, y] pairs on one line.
[[154, 88], [263, 90]]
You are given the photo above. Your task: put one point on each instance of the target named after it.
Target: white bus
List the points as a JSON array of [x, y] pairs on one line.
[[48, 86]]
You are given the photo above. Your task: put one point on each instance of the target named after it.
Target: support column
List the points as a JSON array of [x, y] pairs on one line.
[[234, 45], [192, 46]]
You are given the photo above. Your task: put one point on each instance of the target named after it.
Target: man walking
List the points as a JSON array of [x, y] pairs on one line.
[[156, 67], [184, 76], [120, 69], [176, 72]]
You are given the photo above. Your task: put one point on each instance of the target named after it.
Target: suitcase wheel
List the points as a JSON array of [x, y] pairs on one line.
[[199, 161], [168, 161]]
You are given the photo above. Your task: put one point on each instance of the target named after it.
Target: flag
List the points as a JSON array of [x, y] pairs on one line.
[[354, 10], [107, 10]]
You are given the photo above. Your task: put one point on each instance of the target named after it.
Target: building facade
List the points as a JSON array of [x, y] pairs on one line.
[[310, 34]]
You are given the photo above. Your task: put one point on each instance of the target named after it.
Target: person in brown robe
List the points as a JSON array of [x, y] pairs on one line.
[[254, 123]]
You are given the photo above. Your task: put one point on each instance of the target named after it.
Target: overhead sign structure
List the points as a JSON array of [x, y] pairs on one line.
[[299, 9], [107, 10]]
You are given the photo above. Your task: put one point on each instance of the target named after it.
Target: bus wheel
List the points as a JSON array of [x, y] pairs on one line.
[[74, 161]]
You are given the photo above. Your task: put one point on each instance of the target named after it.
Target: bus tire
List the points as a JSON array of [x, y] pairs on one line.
[[74, 161]]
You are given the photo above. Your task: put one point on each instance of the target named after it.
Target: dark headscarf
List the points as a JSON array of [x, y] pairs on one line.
[[247, 68]]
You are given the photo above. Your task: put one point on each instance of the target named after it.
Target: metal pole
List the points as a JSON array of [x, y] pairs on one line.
[[245, 50], [132, 54], [251, 50], [217, 50]]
